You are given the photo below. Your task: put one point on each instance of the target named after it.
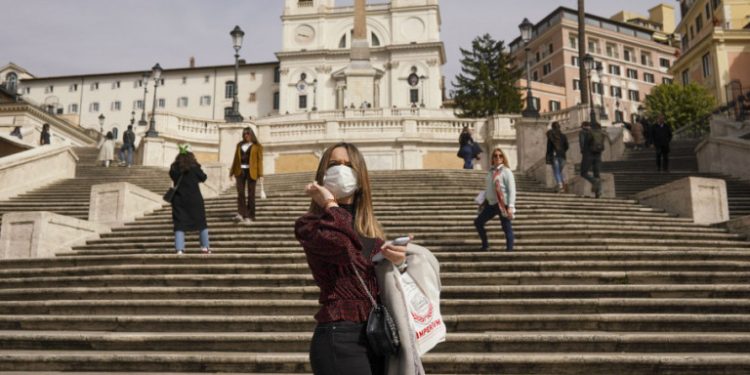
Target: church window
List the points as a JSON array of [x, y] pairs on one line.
[[414, 96], [229, 90], [276, 75], [276, 101], [302, 101], [342, 42], [375, 40]]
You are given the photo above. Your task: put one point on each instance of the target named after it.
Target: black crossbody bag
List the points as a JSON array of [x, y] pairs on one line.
[[382, 333], [169, 195]]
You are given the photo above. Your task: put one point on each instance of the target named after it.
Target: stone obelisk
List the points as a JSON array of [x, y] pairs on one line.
[[360, 75]]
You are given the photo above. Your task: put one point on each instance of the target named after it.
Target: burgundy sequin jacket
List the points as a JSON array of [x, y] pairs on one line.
[[330, 243]]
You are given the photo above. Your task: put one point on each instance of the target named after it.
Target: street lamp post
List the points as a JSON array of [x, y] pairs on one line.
[[237, 35], [527, 29], [589, 64], [599, 71], [315, 95], [101, 123], [156, 74], [144, 80]]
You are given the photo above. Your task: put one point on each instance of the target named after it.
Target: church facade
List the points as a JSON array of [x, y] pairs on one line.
[[404, 46]]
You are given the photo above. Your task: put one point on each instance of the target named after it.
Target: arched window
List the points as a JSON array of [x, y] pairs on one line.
[[375, 40], [11, 81], [342, 42]]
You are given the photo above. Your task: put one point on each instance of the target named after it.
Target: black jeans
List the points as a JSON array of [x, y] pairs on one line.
[[662, 158], [591, 162], [340, 348]]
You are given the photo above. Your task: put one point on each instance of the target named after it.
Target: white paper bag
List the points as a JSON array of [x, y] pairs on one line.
[[480, 197], [425, 317], [262, 191]]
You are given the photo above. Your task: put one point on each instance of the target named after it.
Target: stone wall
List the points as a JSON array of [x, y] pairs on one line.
[[31, 169]]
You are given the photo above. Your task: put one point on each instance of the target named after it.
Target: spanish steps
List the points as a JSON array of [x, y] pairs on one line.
[[594, 286], [637, 172]]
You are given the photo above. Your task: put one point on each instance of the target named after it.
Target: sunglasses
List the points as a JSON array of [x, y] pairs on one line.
[[497, 156]]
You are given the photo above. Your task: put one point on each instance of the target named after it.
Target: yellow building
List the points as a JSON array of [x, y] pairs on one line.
[[715, 42]]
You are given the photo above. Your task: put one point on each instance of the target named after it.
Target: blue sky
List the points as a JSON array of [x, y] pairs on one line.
[[66, 37]]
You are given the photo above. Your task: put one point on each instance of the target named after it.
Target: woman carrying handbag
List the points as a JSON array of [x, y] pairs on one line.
[[340, 236], [188, 210]]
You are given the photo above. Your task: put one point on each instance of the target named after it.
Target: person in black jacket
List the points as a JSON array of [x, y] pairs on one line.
[[467, 148], [662, 137], [44, 138], [188, 210], [557, 146]]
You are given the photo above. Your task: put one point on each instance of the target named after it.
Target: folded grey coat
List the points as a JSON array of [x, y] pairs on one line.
[[424, 268]]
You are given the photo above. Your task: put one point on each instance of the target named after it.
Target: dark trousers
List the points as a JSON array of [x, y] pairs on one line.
[[246, 206], [591, 162], [489, 212], [662, 158], [340, 348]]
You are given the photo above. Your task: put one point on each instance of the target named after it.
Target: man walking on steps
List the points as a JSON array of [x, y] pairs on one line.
[[591, 140], [662, 136], [128, 147]]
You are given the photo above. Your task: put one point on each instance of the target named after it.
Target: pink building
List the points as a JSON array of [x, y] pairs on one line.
[[635, 54]]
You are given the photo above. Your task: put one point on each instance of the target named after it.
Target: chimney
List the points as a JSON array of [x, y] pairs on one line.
[[192, 62]]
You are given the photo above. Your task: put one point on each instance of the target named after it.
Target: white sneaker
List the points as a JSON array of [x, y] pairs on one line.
[[238, 218], [179, 252], [247, 221]]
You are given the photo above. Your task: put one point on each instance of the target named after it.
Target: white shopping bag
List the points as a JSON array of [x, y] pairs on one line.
[[262, 191], [424, 312], [479, 199]]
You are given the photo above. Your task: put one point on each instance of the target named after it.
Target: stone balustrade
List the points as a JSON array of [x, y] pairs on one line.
[[30, 169], [727, 149]]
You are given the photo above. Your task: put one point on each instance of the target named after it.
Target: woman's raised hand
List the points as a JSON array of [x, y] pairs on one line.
[[319, 194], [396, 254]]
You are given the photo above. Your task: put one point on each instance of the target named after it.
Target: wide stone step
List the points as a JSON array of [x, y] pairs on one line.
[[447, 278], [311, 306], [495, 342], [517, 363], [687, 291]]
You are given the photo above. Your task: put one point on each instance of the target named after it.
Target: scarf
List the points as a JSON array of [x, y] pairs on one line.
[[499, 188]]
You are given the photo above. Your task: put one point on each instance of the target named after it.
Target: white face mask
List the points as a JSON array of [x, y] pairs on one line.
[[341, 181]]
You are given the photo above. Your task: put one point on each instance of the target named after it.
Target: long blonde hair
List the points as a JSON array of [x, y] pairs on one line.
[[365, 222], [506, 162]]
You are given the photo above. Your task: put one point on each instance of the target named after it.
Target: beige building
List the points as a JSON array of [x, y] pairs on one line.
[[635, 52], [715, 46]]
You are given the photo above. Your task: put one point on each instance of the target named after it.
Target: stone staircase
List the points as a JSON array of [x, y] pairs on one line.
[[70, 197], [601, 286], [637, 172]]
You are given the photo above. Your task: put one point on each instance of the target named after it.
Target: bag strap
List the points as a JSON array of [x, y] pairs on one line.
[[364, 286], [178, 181]]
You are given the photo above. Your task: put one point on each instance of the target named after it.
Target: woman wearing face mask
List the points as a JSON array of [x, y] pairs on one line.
[[500, 199], [340, 232]]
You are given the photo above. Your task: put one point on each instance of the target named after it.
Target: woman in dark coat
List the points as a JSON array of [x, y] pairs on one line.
[[188, 211], [467, 148]]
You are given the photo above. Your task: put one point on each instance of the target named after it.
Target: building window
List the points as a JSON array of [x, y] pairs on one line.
[[536, 102], [73, 108], [615, 92], [597, 88], [137, 83], [27, 90], [708, 10], [229, 90], [551, 48], [115, 85], [685, 42], [574, 60], [699, 23], [94, 86], [72, 88], [206, 79], [547, 69], [94, 107], [612, 51], [342, 42], [706, 65], [276, 75], [414, 96], [685, 77], [646, 59], [116, 106], [664, 63], [632, 74], [205, 100], [573, 41], [648, 77], [535, 76], [162, 102], [49, 89], [138, 104], [634, 96], [302, 101], [614, 69], [629, 54], [182, 102], [593, 46], [554, 106], [619, 116], [576, 85], [184, 80], [375, 40], [667, 81], [276, 101], [253, 97]]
